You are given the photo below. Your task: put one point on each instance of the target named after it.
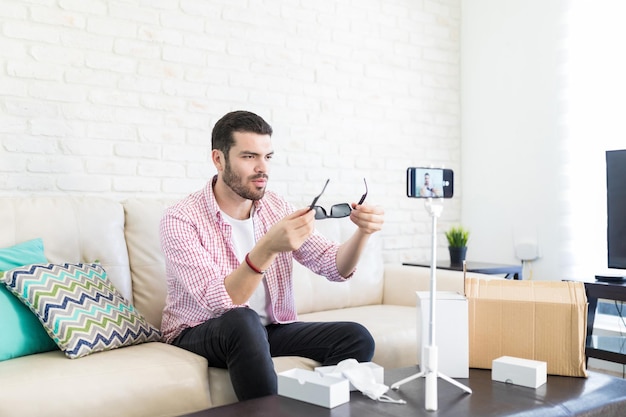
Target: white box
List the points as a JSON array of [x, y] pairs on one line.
[[311, 387], [451, 331], [518, 371], [377, 370]]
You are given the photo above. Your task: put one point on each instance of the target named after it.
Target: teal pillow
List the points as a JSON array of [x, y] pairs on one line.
[[21, 332]]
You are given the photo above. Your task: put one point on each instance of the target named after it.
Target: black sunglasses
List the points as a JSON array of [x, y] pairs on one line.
[[338, 210]]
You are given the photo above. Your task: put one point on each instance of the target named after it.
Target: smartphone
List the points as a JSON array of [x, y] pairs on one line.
[[429, 182]]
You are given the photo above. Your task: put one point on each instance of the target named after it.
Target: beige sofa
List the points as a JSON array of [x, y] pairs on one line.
[[156, 379]]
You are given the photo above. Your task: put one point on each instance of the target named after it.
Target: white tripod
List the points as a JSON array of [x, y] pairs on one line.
[[431, 360]]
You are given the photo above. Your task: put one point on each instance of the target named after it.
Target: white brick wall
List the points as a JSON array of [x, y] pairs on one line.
[[118, 98]]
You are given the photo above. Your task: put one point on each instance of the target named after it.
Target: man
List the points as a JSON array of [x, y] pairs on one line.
[[229, 251], [427, 189]]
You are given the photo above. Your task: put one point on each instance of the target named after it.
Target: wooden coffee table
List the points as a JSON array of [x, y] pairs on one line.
[[599, 395]]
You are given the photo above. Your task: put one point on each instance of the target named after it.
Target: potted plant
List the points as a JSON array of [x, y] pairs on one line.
[[457, 244]]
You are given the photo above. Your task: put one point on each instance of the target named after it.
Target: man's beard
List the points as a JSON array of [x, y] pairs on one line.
[[234, 181]]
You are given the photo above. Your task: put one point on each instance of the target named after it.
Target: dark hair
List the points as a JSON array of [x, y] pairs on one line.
[[236, 121]]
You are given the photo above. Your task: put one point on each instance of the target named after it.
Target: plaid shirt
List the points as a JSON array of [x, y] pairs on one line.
[[197, 245]]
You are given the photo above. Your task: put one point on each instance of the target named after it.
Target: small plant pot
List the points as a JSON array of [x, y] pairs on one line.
[[457, 255]]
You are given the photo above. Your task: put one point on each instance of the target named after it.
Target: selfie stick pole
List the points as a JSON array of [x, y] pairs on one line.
[[429, 367]]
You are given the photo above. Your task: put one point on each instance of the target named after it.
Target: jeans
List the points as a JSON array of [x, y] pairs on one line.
[[239, 342]]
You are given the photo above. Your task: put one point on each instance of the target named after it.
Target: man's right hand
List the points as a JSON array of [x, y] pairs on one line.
[[290, 233], [285, 236]]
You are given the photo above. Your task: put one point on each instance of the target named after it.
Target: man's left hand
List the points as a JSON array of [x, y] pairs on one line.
[[369, 219]]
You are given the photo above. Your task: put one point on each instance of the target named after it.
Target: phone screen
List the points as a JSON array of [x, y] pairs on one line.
[[429, 182]]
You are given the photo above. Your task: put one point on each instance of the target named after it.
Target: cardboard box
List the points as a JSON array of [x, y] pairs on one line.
[[451, 331], [538, 320], [311, 387], [524, 372], [377, 370]]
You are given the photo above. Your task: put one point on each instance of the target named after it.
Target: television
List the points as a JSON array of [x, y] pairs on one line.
[[616, 208]]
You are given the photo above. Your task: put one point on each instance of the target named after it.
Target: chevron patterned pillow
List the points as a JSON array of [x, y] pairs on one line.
[[79, 307]]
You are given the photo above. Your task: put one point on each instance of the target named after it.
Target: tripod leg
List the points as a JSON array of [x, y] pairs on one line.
[[453, 382], [408, 379]]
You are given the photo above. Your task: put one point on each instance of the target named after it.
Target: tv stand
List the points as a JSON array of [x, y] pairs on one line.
[[608, 348]]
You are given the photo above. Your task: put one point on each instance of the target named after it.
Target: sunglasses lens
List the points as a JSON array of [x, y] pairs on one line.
[[340, 210], [320, 213]]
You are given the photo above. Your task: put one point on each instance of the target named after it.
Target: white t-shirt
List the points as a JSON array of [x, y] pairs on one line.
[[243, 242]]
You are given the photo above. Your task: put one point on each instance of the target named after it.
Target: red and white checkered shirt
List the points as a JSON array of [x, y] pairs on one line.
[[198, 249]]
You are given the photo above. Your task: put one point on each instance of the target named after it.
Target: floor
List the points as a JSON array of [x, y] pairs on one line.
[[609, 368], [608, 372]]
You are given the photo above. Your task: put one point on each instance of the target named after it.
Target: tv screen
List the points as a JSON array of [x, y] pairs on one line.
[[616, 208]]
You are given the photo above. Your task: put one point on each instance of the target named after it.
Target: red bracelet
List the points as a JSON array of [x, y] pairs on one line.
[[251, 265]]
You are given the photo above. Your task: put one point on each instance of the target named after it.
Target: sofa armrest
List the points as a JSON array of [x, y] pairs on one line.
[[402, 281]]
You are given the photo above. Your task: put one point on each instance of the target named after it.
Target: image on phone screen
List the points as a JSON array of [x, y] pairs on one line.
[[430, 182]]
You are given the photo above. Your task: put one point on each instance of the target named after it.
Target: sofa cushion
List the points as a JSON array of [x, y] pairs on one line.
[[150, 379], [312, 292], [79, 307], [73, 229], [394, 329], [316, 293], [146, 259], [221, 387], [22, 334]]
